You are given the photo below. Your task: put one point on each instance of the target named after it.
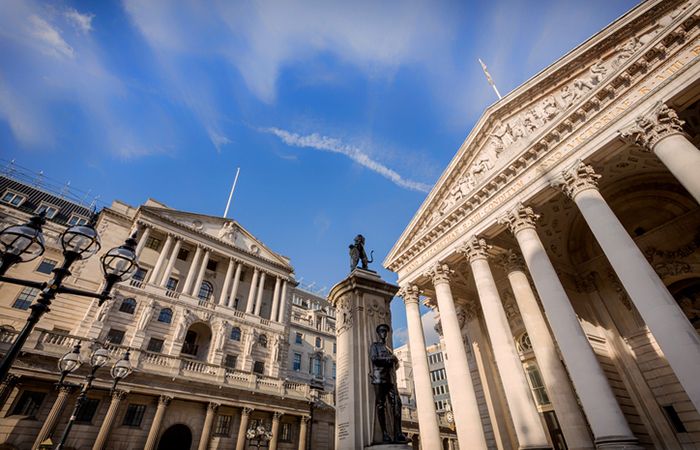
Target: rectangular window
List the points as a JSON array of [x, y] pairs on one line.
[[334, 371], [153, 242], [299, 338], [537, 385], [223, 425], [212, 265], [183, 254], [259, 367], [674, 418], [155, 345], [87, 411], [115, 336], [317, 367], [335, 347], [77, 220], [231, 361], [140, 274], [171, 284], [48, 210], [13, 198], [296, 364], [286, 432], [46, 266], [28, 404], [25, 298], [319, 342], [134, 415]]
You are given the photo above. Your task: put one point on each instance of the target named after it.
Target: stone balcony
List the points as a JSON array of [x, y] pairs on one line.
[[54, 344]]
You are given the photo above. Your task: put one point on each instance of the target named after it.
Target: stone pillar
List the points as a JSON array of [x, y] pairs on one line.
[[470, 432], [261, 288], [153, 279], [242, 428], [283, 302], [425, 405], [276, 299], [661, 132], [236, 283], [171, 263], [250, 304], [302, 432], [361, 302], [559, 390], [54, 414], [526, 419], [9, 383], [163, 402], [192, 272], [106, 427], [200, 276], [223, 297], [604, 415], [671, 328], [276, 416], [142, 238], [206, 429]]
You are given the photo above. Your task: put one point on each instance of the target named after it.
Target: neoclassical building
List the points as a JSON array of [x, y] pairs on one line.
[[561, 249], [205, 320]]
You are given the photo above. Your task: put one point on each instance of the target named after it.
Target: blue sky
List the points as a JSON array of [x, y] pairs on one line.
[[341, 115]]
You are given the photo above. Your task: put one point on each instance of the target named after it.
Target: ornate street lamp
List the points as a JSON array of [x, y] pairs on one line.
[[69, 363], [121, 369], [260, 434], [26, 242]]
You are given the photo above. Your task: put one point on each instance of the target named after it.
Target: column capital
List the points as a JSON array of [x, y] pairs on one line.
[[245, 411], [580, 177], [276, 416], [519, 218], [440, 273], [410, 293], [475, 248], [213, 406], [164, 400], [305, 418], [66, 389], [512, 262], [648, 129], [118, 394]]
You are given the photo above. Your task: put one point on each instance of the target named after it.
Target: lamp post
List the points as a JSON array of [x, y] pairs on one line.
[[100, 357], [22, 243], [314, 402]]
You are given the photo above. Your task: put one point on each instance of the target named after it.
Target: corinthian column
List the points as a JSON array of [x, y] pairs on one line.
[[302, 432], [250, 304], [661, 132], [106, 427], [223, 298], [276, 299], [470, 432], [163, 402], [605, 417], [258, 301], [559, 390], [283, 302], [145, 232], [242, 428], [276, 416], [206, 429], [171, 263], [671, 328], [427, 417], [528, 426], [192, 272], [56, 409], [236, 283], [200, 277], [161, 259]]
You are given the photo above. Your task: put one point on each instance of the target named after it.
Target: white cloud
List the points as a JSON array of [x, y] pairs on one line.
[[219, 140], [47, 38], [355, 153], [82, 22], [429, 320]]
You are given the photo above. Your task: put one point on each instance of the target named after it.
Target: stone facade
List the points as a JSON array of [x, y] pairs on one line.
[[560, 247]]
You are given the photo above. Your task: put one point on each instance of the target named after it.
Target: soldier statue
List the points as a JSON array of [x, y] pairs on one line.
[[358, 254], [383, 376]]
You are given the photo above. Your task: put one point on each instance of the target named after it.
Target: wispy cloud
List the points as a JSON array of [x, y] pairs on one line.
[[333, 145], [82, 22], [47, 38]]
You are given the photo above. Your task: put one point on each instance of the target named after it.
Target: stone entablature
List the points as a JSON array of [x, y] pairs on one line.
[[665, 50]]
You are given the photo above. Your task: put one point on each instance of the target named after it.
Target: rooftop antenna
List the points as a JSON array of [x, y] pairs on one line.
[[39, 179], [10, 168], [65, 190], [82, 201], [230, 195], [489, 79], [93, 204]]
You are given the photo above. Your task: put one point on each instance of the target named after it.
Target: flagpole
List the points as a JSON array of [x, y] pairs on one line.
[[489, 79], [230, 195]]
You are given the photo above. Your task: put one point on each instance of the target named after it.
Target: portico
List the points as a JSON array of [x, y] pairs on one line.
[[583, 182]]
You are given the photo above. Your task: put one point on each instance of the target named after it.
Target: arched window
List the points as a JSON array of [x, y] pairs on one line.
[[128, 306], [262, 340], [206, 290], [166, 315], [236, 334], [523, 343]]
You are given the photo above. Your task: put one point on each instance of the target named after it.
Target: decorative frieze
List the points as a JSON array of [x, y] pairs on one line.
[[650, 128], [475, 248], [577, 179], [519, 218]]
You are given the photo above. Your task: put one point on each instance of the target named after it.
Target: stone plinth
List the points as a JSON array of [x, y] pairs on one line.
[[361, 303]]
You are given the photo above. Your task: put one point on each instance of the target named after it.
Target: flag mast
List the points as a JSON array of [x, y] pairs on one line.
[[489, 79], [230, 195]]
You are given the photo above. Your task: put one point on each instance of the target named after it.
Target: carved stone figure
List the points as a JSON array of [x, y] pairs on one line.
[[625, 51], [358, 254], [550, 107], [483, 166], [146, 315], [567, 96], [104, 309], [502, 136], [598, 72], [227, 232], [383, 377]]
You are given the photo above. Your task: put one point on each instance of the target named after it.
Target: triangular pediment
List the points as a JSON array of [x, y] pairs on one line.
[[220, 229], [516, 124]]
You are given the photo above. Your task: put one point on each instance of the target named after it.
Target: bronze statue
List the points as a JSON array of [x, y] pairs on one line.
[[358, 254], [383, 376]]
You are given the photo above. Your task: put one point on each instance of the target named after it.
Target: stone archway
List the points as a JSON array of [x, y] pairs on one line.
[[176, 437]]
